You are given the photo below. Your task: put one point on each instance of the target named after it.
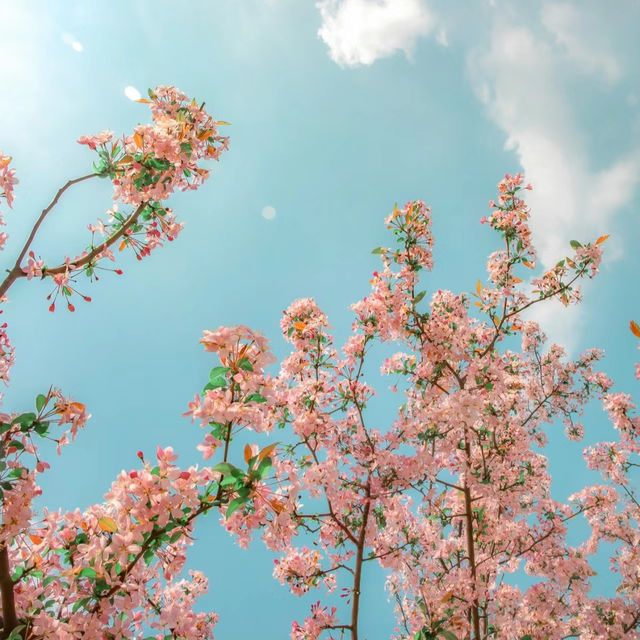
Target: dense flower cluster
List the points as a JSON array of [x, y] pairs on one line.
[[110, 570], [114, 570], [7, 183], [145, 167], [451, 499], [156, 159], [454, 495]]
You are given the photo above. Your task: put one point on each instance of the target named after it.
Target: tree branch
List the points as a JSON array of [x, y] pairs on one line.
[[16, 272]]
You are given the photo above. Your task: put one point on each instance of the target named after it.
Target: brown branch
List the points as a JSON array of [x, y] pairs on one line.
[[471, 547], [96, 251], [122, 576], [9, 616], [17, 272], [357, 578]]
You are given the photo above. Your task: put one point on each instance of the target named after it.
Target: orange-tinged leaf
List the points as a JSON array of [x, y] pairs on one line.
[[602, 239], [247, 453], [635, 328], [277, 506], [123, 245], [35, 539], [138, 139], [516, 280], [479, 286], [526, 263], [267, 451], [299, 325], [205, 135], [108, 524], [478, 303], [223, 123], [125, 160], [144, 101]]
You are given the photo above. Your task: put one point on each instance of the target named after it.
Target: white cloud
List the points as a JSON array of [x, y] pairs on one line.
[[132, 93], [524, 76], [524, 94], [359, 32], [523, 89], [269, 212], [584, 41]]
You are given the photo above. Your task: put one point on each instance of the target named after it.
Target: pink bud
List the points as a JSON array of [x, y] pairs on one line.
[[52, 308]]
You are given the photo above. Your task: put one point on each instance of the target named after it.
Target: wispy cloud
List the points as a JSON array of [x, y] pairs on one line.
[[517, 80], [359, 32], [522, 66], [582, 39]]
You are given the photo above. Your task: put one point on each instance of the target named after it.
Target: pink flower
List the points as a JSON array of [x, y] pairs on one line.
[[95, 141]]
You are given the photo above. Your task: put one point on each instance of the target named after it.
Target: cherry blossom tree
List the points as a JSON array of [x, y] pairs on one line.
[[452, 499], [113, 570], [454, 496]]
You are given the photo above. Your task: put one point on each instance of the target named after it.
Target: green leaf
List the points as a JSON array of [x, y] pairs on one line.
[[448, 635], [225, 468], [419, 297], [17, 574], [16, 633], [88, 572], [25, 420], [148, 556], [217, 378], [41, 428], [40, 402], [79, 604], [575, 244], [263, 468], [245, 364], [378, 251], [234, 505], [255, 397]]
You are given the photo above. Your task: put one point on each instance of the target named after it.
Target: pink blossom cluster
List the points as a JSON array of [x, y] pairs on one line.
[[111, 570], [8, 181], [321, 618], [300, 569], [455, 495], [146, 167], [19, 443], [157, 159], [116, 569]]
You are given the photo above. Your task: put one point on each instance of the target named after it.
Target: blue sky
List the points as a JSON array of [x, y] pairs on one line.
[[338, 110]]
